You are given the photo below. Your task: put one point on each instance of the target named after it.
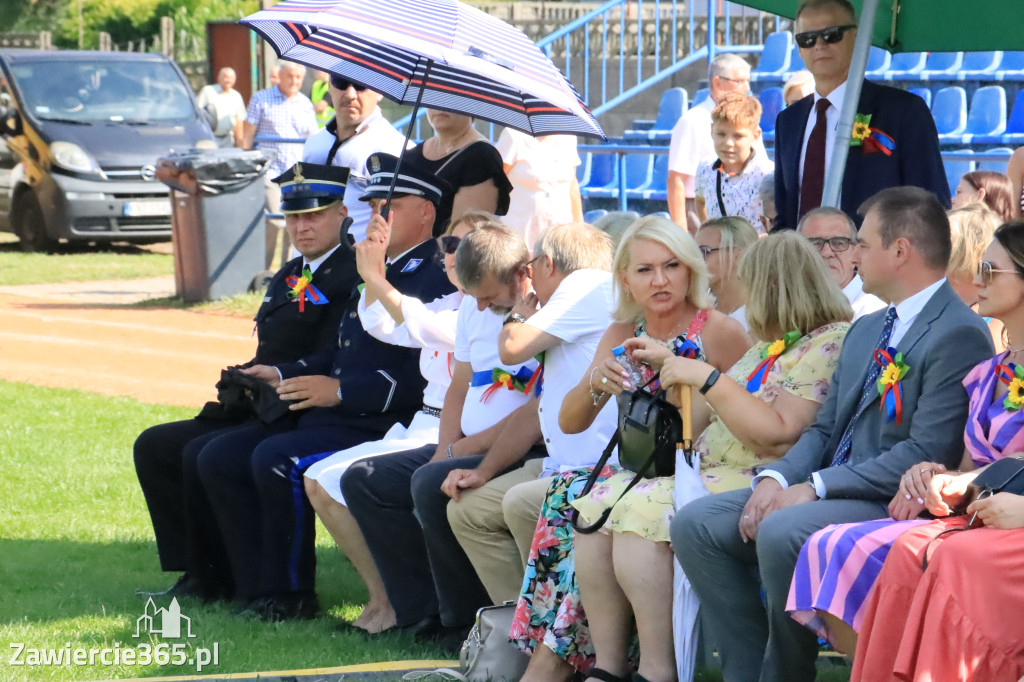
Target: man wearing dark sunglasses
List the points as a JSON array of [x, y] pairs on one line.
[[357, 130], [902, 146]]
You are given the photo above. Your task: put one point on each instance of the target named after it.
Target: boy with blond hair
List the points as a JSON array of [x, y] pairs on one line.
[[730, 185]]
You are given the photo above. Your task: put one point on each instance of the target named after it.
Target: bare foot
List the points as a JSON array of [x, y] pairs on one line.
[[546, 666], [384, 619]]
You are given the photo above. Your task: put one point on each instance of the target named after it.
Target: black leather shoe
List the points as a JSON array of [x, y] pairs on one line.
[[282, 606], [185, 587]]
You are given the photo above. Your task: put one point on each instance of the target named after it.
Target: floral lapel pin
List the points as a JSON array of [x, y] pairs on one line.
[[769, 355], [872, 140], [889, 383], [1013, 376], [302, 288]]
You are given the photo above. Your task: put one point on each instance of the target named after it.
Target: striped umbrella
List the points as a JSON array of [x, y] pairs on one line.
[[471, 63]]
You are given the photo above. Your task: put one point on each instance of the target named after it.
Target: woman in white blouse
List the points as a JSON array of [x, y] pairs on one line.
[[405, 321]]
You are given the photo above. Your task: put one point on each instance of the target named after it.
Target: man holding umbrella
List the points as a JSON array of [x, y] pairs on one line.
[[894, 138]]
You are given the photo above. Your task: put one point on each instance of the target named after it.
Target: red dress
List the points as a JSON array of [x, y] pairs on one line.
[[961, 619]]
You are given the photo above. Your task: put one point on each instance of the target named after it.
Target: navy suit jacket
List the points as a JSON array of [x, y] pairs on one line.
[[915, 161]]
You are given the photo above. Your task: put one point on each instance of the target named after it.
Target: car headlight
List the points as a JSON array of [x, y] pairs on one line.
[[72, 157]]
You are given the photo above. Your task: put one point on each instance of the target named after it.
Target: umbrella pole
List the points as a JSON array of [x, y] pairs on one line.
[[386, 209], [844, 131]]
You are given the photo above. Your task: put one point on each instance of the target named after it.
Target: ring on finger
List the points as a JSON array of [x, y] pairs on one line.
[[604, 380]]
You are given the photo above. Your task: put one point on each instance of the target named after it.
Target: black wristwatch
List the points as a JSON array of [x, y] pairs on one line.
[[513, 317], [712, 378]]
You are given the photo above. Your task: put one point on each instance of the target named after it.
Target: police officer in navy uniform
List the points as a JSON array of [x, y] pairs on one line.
[[286, 330], [348, 395]]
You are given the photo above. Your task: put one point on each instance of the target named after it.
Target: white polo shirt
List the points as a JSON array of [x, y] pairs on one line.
[[578, 313]]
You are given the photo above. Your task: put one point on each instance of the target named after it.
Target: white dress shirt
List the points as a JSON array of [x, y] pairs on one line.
[[862, 303], [835, 98]]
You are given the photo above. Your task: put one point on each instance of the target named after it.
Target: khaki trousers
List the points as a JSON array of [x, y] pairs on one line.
[[275, 226], [495, 523]]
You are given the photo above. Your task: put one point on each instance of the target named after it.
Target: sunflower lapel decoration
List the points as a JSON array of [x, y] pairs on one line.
[[769, 355], [302, 288], [872, 140], [889, 387], [1013, 376]]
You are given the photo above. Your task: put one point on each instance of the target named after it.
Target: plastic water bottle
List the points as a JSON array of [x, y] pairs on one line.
[[635, 377]]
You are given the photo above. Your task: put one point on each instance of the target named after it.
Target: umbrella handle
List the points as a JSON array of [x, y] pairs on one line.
[[682, 397]]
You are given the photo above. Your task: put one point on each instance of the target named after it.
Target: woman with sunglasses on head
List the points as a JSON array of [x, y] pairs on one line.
[[466, 160], [401, 320], [839, 585]]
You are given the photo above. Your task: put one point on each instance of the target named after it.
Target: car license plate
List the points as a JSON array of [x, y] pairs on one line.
[[148, 208]]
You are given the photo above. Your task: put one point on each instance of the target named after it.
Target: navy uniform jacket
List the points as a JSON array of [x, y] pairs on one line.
[[916, 160], [380, 383], [285, 334]]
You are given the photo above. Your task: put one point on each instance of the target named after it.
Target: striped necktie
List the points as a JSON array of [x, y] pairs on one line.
[[868, 392]]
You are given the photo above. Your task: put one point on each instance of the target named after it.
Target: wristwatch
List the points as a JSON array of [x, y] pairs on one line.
[[513, 317]]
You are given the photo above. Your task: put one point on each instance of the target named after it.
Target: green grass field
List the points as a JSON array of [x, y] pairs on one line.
[[79, 264], [76, 541]]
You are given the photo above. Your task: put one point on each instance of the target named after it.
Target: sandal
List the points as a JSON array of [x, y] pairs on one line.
[[605, 676]]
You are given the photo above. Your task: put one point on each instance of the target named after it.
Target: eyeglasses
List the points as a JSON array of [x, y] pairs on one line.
[[837, 244], [449, 244], [986, 272], [734, 80], [706, 251], [345, 84], [831, 35]]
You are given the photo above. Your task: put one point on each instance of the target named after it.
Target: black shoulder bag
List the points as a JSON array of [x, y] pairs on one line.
[[649, 428]]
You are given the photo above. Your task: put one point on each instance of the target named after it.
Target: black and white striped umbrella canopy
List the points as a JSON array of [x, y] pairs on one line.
[[474, 64]]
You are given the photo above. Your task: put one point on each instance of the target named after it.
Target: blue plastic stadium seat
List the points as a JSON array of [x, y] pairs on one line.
[[655, 188], [942, 66], [955, 168], [774, 61], [771, 105], [604, 172], [796, 62], [979, 66], [1011, 68], [986, 121], [949, 109], [638, 173], [700, 96], [995, 166], [923, 93], [878, 63], [591, 216], [905, 66], [583, 170], [1014, 134], [673, 104]]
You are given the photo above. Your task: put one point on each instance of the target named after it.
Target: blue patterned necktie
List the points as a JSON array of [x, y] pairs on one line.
[[868, 392]]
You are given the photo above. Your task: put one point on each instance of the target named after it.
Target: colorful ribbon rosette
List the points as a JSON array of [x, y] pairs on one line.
[[303, 288], [871, 139], [523, 381], [888, 383], [769, 355], [1013, 376]]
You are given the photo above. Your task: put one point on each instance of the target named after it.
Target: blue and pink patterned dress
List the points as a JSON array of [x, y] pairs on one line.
[[839, 565]]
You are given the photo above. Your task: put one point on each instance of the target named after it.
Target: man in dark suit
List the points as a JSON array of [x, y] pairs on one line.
[[347, 395], [848, 464], [286, 331], [901, 147]]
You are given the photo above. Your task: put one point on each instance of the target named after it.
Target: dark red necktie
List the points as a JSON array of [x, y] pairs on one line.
[[813, 180]]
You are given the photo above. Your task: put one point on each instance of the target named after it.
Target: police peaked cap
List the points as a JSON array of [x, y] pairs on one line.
[[307, 187], [412, 180]]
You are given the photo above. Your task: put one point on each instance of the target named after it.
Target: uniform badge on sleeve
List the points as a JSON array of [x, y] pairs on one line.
[[412, 265]]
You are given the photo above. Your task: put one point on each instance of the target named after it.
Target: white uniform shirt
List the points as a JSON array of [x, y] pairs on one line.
[[375, 134], [429, 326], [578, 313], [476, 342]]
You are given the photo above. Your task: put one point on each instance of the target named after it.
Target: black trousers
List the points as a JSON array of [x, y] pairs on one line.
[[397, 501], [253, 480]]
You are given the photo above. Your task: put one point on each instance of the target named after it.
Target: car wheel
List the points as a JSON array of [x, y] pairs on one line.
[[30, 226]]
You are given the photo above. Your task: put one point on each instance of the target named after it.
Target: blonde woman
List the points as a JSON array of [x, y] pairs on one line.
[[971, 229], [721, 242]]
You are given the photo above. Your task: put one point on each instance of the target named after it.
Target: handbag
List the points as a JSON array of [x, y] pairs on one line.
[[649, 428], [1002, 476], [486, 654]]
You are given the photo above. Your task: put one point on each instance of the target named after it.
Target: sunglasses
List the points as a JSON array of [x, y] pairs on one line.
[[831, 35], [345, 84], [986, 272], [837, 244], [449, 244]]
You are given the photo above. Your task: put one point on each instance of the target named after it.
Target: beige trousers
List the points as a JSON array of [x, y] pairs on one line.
[[495, 523], [275, 226]]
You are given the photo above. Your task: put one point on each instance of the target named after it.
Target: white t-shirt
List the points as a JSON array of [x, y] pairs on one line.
[[578, 313], [375, 134], [230, 110], [691, 142], [430, 326], [476, 342], [861, 302]]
